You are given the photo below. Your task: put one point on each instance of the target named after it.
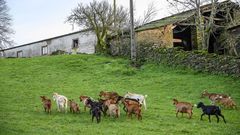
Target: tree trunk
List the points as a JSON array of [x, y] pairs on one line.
[[101, 45]]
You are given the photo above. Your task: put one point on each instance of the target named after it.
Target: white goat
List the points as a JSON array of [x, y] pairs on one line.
[[140, 98], [61, 102]]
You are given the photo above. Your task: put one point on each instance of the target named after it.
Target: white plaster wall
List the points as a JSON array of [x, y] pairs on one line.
[[87, 43]]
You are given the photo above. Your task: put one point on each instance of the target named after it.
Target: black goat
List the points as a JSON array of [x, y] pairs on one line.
[[210, 110], [95, 110]]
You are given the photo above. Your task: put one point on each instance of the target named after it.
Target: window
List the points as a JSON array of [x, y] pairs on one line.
[[44, 50], [75, 43], [19, 54]]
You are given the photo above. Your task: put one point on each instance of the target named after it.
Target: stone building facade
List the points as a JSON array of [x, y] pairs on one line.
[[77, 42]]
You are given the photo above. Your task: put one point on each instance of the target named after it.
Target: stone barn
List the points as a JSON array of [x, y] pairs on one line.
[[83, 41], [179, 30]]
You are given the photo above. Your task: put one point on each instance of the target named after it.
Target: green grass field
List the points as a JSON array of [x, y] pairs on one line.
[[22, 81]]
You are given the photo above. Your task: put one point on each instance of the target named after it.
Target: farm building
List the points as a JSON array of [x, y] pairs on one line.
[[83, 41], [180, 29]]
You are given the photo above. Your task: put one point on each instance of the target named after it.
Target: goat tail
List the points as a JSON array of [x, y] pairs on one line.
[[145, 105]]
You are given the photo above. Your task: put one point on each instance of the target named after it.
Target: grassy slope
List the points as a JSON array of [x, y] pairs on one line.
[[22, 81]]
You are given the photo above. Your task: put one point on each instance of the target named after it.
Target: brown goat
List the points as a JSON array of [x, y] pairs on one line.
[[183, 107], [130, 101], [46, 104], [213, 96], [108, 95], [113, 108], [74, 108], [226, 102], [133, 108]]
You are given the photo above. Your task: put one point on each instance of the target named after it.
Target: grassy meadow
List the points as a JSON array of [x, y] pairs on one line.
[[22, 81]]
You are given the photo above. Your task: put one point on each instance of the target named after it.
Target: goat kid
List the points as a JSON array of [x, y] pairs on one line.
[[61, 102], [74, 108], [95, 110], [84, 99], [46, 104], [210, 110], [183, 107]]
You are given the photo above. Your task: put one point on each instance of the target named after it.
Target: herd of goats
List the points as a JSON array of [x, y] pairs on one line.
[[108, 104]]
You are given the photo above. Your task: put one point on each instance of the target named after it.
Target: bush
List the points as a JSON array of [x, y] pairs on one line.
[[58, 52]]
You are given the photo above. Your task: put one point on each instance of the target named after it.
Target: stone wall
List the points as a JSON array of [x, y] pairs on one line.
[[162, 36], [197, 60]]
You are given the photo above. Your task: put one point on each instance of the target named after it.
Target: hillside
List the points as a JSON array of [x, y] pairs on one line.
[[22, 81]]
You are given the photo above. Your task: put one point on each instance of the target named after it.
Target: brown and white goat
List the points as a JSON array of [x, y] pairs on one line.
[[84, 99], [226, 102], [139, 97], [213, 96], [133, 108], [46, 104], [74, 108], [183, 107]]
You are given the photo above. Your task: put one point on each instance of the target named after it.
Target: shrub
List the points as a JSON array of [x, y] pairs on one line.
[[58, 52]]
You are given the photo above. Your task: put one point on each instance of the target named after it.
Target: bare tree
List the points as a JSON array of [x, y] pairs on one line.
[[236, 1], [5, 24], [148, 15], [99, 16]]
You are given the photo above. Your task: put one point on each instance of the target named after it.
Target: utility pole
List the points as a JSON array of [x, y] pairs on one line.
[[114, 13], [133, 44]]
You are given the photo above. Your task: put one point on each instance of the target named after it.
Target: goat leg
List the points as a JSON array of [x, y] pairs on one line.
[[217, 118], [202, 116], [177, 113], [222, 117], [190, 115], [124, 108], [58, 108], [209, 118], [92, 117]]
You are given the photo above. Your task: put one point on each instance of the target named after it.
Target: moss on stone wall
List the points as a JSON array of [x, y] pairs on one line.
[[197, 60]]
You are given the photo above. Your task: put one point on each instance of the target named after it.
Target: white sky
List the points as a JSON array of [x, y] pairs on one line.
[[35, 20]]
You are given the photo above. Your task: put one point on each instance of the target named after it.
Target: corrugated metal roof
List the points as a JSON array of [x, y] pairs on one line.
[[166, 21]]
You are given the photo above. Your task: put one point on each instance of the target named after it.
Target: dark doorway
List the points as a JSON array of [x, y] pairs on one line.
[[213, 46], [182, 37]]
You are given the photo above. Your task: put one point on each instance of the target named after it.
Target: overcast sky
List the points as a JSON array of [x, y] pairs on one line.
[[35, 20]]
